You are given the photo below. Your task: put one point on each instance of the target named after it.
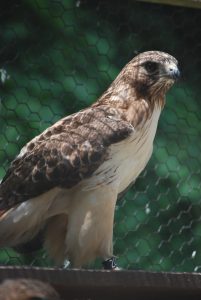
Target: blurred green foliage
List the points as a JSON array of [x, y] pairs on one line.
[[58, 57]]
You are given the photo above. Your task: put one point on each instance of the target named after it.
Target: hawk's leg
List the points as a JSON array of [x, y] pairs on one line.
[[90, 225], [110, 263]]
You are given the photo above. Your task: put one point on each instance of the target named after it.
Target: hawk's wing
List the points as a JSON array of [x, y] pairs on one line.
[[63, 155]]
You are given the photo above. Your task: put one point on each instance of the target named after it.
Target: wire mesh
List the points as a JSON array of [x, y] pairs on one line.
[[57, 57]]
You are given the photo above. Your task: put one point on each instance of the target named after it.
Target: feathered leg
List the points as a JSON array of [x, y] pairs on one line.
[[90, 226]]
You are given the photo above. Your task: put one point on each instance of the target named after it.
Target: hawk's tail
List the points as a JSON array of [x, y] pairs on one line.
[[15, 230]]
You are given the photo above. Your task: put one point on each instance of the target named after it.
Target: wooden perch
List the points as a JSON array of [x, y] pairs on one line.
[[96, 284]]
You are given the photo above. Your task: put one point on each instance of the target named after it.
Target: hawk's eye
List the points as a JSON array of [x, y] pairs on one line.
[[151, 66]]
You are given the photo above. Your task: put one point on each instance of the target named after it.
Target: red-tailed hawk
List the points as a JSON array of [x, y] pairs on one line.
[[66, 180], [27, 289]]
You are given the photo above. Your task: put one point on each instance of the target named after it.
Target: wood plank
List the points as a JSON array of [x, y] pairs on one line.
[[118, 285], [185, 3]]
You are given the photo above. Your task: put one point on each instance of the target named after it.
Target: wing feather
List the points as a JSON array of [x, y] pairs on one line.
[[63, 155]]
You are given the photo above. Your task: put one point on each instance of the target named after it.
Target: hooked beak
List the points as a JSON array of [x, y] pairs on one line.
[[172, 72]]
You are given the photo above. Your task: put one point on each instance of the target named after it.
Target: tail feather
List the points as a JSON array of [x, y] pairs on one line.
[[15, 230], [24, 227], [22, 222]]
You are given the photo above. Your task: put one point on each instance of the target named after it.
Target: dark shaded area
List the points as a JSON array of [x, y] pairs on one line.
[[59, 57]]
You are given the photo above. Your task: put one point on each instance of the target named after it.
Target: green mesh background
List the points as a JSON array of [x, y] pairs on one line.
[[57, 57]]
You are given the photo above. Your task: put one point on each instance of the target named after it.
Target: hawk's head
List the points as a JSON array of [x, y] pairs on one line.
[[152, 73], [147, 76]]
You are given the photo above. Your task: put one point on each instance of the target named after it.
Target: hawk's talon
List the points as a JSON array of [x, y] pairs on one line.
[[110, 263]]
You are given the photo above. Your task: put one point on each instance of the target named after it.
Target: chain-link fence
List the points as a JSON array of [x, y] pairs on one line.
[[57, 57]]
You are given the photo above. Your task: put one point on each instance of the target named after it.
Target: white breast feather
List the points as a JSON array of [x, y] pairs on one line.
[[127, 159]]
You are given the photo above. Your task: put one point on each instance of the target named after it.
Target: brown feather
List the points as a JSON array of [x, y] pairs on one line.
[[63, 155]]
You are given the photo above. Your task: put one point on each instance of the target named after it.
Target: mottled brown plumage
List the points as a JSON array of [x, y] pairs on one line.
[[63, 155], [74, 171], [27, 289]]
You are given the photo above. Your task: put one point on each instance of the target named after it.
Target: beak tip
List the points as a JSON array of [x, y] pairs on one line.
[[174, 73], [177, 74]]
